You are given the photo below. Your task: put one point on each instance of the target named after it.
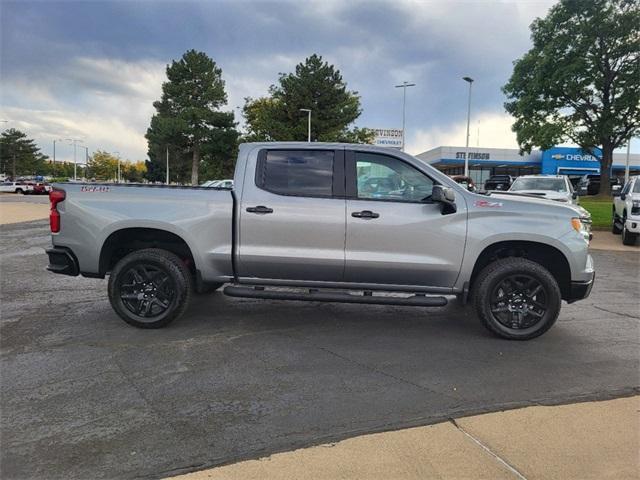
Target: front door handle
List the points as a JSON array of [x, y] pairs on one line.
[[365, 214], [259, 209]]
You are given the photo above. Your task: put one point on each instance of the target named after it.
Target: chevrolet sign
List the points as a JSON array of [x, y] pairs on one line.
[[575, 157]]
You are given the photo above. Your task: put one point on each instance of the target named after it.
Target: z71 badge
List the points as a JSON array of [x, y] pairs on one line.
[[487, 204], [94, 188]]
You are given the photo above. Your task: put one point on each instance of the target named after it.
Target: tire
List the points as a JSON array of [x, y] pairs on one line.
[[527, 320], [615, 229], [628, 238], [153, 274], [19, 191]]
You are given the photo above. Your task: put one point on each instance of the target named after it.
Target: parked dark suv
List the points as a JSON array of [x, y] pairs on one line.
[[590, 184], [498, 182]]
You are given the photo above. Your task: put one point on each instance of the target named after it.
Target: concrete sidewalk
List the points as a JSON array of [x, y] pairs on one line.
[[594, 440], [604, 240], [16, 212]]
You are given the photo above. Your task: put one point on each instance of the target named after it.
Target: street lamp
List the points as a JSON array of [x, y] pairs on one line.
[[469, 80], [54, 153], [626, 166], [74, 142], [404, 106], [117, 154], [167, 164], [308, 123], [86, 159]]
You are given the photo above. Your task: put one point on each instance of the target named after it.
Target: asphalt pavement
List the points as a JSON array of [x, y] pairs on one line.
[[84, 395]]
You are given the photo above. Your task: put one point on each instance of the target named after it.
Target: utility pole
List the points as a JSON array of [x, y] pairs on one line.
[[53, 171], [167, 164], [119, 179], [626, 167], [308, 123], [404, 107], [86, 159], [466, 154], [74, 142]]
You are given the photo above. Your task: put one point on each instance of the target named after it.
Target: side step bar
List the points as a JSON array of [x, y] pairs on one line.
[[418, 300]]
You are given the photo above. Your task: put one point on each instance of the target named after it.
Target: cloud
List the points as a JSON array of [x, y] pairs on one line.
[[105, 102], [94, 69]]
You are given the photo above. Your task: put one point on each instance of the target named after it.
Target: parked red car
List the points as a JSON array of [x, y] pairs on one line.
[[40, 188]]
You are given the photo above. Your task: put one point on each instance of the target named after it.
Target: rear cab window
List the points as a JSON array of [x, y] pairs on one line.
[[303, 173]]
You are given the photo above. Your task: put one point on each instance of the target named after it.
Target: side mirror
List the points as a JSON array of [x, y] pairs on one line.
[[575, 195], [446, 196], [623, 196]]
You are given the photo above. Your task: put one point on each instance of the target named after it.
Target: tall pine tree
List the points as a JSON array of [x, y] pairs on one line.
[[188, 121], [19, 155], [315, 85]]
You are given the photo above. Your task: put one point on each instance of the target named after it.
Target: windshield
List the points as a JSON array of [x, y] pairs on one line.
[[636, 187], [553, 184]]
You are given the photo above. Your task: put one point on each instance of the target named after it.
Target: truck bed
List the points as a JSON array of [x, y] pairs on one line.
[[202, 216]]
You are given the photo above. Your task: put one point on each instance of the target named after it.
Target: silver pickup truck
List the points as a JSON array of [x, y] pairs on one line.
[[330, 223]]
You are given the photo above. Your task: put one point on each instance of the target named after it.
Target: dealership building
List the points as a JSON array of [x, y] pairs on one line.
[[484, 162]]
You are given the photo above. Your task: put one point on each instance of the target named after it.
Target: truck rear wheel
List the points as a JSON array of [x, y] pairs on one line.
[[517, 299], [150, 288]]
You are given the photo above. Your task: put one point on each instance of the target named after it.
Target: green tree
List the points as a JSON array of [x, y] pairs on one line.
[[19, 155], [133, 171], [188, 119], [581, 79], [103, 166], [317, 86]]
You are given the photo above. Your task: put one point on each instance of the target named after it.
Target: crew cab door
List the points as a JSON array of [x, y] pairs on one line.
[[395, 235], [292, 215]]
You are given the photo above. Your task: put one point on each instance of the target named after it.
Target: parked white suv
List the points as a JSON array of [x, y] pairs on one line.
[[551, 187], [15, 187], [626, 212]]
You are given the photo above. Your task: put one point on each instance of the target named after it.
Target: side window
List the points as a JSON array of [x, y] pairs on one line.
[[307, 173], [627, 187], [380, 177]]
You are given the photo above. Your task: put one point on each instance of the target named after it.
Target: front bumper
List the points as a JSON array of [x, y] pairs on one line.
[[63, 261], [580, 290], [633, 224]]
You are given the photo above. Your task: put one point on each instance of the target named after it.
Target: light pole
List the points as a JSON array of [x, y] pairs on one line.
[[167, 164], [117, 154], [469, 80], [86, 159], [626, 167], [54, 154], [74, 142], [404, 106], [308, 123]]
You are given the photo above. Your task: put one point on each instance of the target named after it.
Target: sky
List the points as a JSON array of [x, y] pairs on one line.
[[91, 70]]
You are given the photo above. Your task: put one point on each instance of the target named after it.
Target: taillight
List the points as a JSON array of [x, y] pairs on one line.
[[55, 197]]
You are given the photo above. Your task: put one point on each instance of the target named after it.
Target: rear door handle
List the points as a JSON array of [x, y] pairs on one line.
[[259, 209], [365, 214]]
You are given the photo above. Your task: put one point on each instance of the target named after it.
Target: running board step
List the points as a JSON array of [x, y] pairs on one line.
[[418, 300]]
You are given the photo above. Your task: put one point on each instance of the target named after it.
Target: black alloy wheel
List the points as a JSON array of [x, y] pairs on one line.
[[150, 288], [147, 291], [519, 301], [516, 298]]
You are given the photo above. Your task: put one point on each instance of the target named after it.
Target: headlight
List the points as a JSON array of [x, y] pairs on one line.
[[636, 204], [582, 225]]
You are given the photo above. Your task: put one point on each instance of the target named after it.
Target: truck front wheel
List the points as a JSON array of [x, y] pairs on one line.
[[150, 288], [517, 299]]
